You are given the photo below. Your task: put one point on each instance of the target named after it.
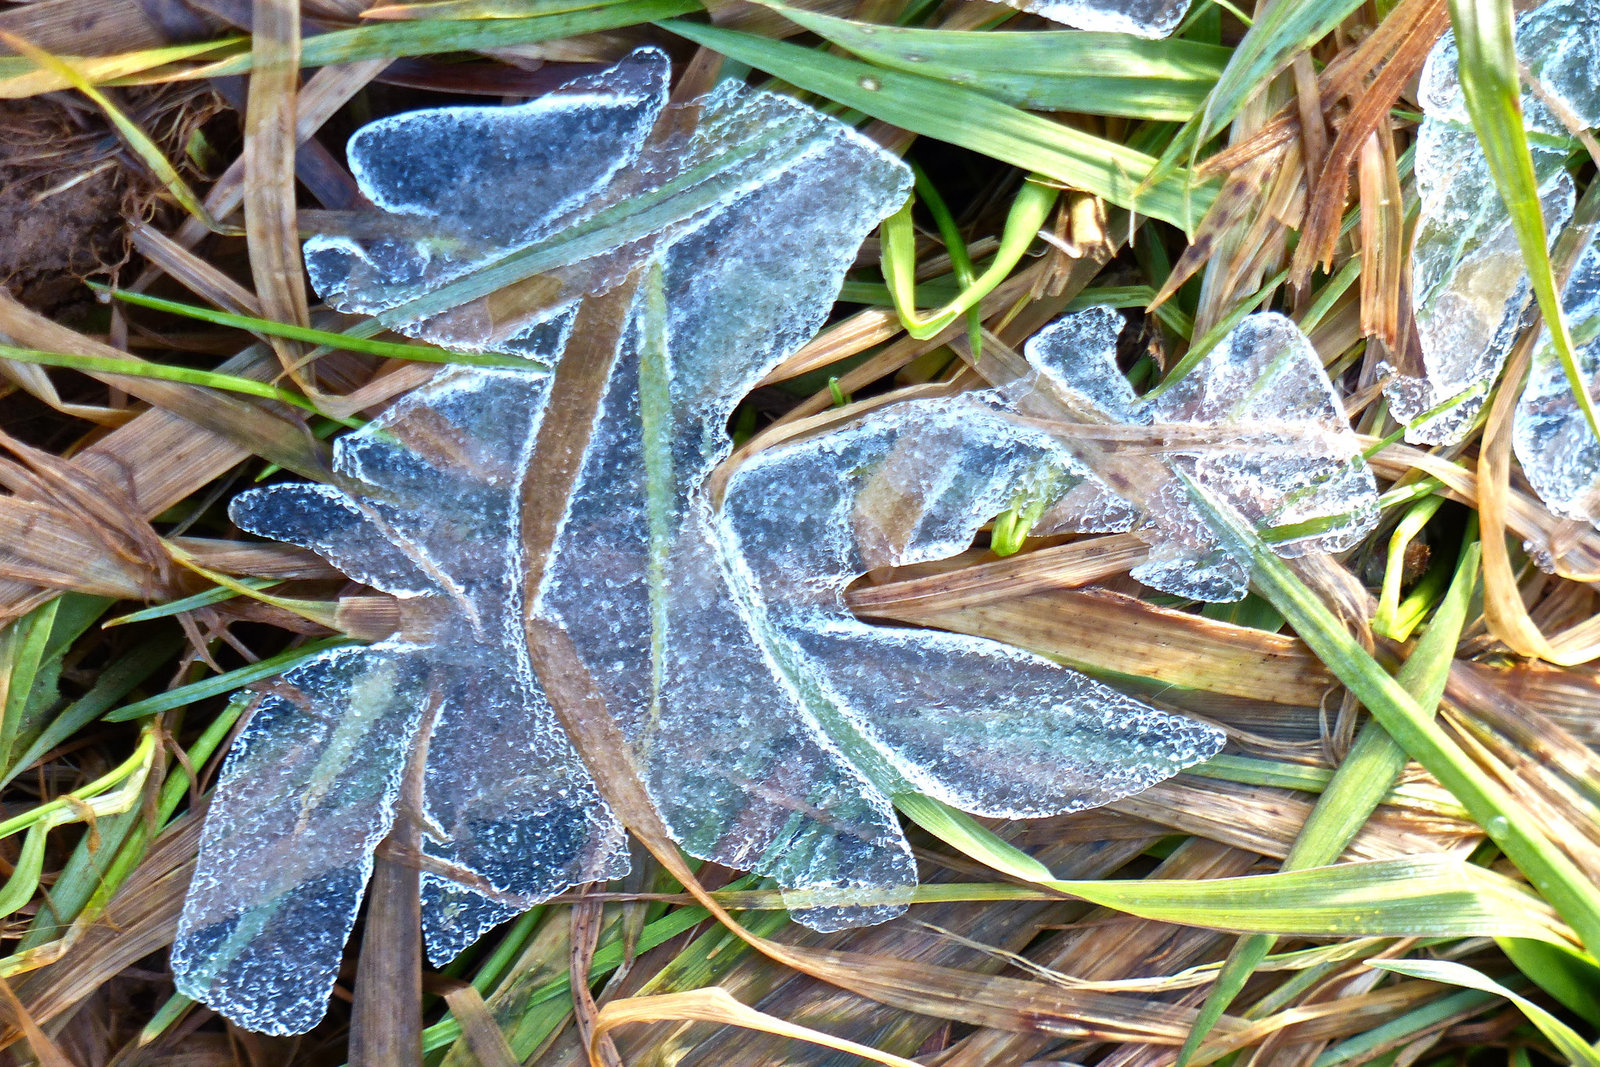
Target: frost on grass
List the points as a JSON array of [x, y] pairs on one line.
[[1470, 291], [1143, 18], [772, 729], [1255, 421]]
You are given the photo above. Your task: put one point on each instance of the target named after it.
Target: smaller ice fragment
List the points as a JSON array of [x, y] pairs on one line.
[[1256, 422], [1552, 438], [1470, 291], [1142, 18]]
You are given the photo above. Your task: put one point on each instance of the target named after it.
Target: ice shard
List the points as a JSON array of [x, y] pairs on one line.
[[1471, 293], [1142, 18], [1255, 421]]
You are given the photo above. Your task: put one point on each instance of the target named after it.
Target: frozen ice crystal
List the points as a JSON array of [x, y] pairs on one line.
[[1553, 440], [1256, 422], [772, 728], [1470, 291], [427, 508], [1143, 18]]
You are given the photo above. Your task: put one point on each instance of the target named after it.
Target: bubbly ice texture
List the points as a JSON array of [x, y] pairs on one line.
[[1142, 18], [427, 507], [1470, 291], [983, 727], [772, 728], [1256, 422], [1553, 441]]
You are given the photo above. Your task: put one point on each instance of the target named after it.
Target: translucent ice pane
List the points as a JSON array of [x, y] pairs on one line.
[[1470, 291], [723, 229], [429, 507], [1143, 18], [1256, 422], [1553, 441], [306, 793]]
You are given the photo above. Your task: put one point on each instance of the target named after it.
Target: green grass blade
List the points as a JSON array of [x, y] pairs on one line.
[[1423, 896], [1367, 774], [227, 681], [22, 656], [1551, 871], [139, 368], [1052, 70], [428, 37], [967, 118], [344, 342], [1566, 1040], [1569, 976], [1492, 87]]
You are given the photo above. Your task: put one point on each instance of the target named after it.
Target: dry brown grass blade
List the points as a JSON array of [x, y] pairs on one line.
[[1411, 30], [714, 1005], [12, 1014], [386, 1025], [253, 427], [85, 27], [855, 334], [1503, 609], [587, 917], [1267, 821], [1055, 567], [1382, 237], [1235, 205], [193, 273], [271, 231], [1109, 632]]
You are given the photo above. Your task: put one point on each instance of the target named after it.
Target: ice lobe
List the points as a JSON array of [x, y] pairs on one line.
[[1470, 291], [1256, 422], [1143, 18], [1552, 439], [986, 728], [427, 506]]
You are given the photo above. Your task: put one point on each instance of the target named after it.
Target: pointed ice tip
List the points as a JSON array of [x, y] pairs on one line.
[[1141, 18]]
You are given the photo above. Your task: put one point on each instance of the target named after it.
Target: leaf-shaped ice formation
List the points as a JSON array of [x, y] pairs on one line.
[[1142, 18], [722, 231], [310, 787], [1256, 421], [1470, 290]]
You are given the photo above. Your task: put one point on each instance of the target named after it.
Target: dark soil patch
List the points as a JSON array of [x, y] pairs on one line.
[[63, 191]]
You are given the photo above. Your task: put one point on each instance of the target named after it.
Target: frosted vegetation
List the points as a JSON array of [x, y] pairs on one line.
[[1472, 295], [772, 728]]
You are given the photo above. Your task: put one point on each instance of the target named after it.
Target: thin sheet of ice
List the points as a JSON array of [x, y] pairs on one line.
[[1256, 422], [731, 222], [1470, 291], [1553, 441], [1142, 18], [427, 508], [770, 743]]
